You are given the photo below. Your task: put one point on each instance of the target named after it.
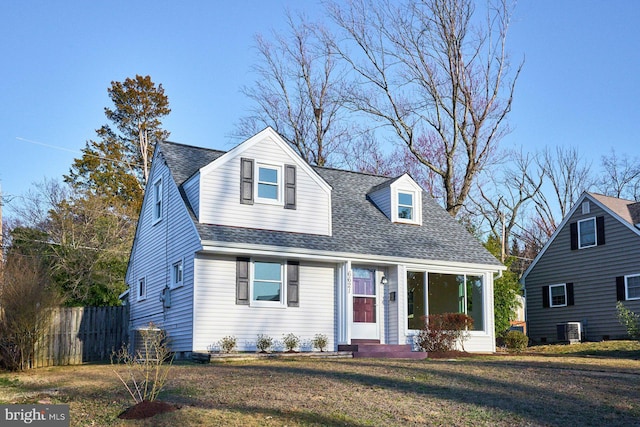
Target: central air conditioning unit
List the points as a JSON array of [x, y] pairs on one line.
[[570, 331]]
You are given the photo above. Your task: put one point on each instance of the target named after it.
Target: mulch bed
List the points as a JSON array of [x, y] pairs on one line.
[[146, 409], [452, 354]]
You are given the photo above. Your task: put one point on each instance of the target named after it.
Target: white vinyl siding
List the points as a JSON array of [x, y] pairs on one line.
[[217, 315], [220, 197], [153, 256], [192, 190], [382, 199]]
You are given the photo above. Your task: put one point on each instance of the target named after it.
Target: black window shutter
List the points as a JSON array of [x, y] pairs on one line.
[[246, 181], [621, 295], [242, 281], [569, 287], [600, 229], [289, 187], [574, 235], [545, 296], [293, 284]]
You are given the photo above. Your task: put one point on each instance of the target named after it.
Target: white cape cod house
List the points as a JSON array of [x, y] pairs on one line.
[[256, 241]]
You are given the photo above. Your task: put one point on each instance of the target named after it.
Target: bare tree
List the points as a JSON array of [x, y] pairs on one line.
[[569, 176], [620, 176], [426, 71], [297, 92], [502, 201]]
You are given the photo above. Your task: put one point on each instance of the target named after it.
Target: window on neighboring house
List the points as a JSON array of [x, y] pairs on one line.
[[176, 274], [444, 293], [405, 206], [267, 284], [558, 295], [269, 186], [587, 233], [632, 285], [142, 288], [157, 200]]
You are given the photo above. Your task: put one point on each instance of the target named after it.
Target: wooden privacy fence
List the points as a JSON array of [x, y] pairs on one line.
[[82, 334]]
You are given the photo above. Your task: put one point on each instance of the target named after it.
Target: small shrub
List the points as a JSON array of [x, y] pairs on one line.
[[516, 341], [228, 344], [442, 331], [629, 319], [264, 343], [291, 342], [320, 341], [145, 371]]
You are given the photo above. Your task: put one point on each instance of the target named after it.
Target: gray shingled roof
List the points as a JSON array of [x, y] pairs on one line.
[[358, 226]]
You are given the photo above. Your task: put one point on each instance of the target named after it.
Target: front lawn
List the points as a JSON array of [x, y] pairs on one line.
[[525, 390]]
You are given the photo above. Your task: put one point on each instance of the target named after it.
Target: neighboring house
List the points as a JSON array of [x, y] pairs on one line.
[[589, 263], [256, 241]]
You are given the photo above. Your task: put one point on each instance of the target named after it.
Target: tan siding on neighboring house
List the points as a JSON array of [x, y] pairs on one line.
[[220, 197], [154, 260], [217, 315], [592, 271]]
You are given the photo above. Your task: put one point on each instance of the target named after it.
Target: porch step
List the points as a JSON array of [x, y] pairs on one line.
[[386, 351]]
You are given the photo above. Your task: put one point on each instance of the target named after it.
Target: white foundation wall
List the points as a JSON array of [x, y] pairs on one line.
[[217, 315]]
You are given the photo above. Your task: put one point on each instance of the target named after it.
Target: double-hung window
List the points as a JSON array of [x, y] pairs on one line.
[[269, 183], [405, 206], [587, 233], [157, 200], [176, 274], [632, 286], [267, 284], [558, 295]]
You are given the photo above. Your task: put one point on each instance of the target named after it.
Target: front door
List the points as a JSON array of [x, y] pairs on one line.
[[365, 305]]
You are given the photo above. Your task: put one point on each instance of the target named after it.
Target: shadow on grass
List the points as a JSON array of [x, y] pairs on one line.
[[556, 404]]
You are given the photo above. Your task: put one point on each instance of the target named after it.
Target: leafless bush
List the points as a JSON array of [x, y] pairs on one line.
[[144, 372], [26, 298]]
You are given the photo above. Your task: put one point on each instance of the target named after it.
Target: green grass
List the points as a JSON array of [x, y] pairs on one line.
[[532, 389], [613, 349]]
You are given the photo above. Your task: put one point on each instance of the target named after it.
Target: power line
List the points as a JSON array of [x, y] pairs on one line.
[[84, 153]]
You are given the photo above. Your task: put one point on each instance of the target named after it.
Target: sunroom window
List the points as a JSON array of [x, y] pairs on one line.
[[444, 293]]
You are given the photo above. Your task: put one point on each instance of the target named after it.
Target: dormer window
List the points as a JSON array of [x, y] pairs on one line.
[[405, 206]]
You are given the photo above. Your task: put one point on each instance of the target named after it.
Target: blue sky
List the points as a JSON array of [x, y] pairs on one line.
[[579, 86]]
